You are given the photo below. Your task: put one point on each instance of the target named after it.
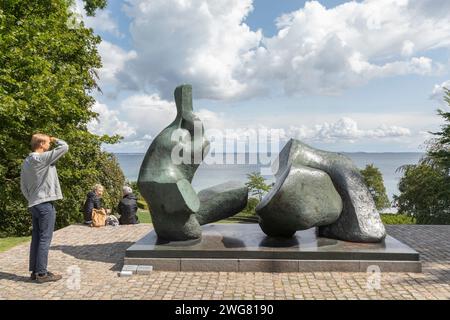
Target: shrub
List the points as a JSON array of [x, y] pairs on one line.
[[142, 204], [397, 219], [374, 181]]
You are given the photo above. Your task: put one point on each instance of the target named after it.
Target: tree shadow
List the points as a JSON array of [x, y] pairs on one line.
[[14, 277], [105, 252]]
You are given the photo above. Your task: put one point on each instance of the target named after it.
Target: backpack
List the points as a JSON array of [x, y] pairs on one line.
[[112, 221], [98, 217]]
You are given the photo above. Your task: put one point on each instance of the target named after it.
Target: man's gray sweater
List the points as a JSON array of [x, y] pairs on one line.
[[38, 179]]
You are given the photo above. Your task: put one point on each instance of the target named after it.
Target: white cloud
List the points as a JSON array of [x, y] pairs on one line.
[[148, 113], [408, 48], [147, 137], [202, 42], [113, 56], [345, 129], [108, 122], [324, 51], [113, 60], [143, 117], [214, 120], [102, 21], [316, 50]]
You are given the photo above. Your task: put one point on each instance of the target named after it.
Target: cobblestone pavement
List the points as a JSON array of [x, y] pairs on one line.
[[90, 259]]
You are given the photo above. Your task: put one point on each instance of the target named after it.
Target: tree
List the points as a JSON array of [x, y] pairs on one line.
[[91, 5], [256, 185], [374, 181], [47, 76], [439, 148], [424, 194], [425, 187]]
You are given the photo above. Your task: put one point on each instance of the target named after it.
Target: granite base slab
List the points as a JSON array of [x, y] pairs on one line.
[[245, 248]]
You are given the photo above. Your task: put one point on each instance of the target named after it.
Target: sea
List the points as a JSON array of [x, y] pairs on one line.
[[209, 175]]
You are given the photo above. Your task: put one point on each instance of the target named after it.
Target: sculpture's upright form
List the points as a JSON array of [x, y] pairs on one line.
[[165, 182], [304, 196]]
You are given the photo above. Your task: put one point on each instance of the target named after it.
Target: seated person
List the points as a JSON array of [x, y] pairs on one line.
[[128, 207], [93, 201]]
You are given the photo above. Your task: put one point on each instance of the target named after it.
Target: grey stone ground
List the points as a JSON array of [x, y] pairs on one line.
[[90, 259]]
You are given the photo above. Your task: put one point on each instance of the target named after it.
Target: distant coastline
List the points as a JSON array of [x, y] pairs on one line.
[[208, 175], [343, 152]]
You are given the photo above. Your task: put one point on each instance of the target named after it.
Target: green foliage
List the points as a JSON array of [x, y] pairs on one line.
[[425, 194], [249, 209], [91, 5], [256, 185], [374, 181], [439, 148], [142, 204], [425, 187], [47, 72], [246, 215], [397, 219]]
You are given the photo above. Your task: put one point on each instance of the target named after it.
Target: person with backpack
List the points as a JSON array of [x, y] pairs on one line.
[[128, 207], [93, 203]]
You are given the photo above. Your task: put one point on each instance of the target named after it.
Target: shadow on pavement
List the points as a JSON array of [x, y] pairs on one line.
[[14, 277], [105, 252]]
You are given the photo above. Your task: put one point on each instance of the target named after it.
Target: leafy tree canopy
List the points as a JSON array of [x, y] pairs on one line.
[[257, 185], [374, 181], [439, 148], [425, 187], [47, 75]]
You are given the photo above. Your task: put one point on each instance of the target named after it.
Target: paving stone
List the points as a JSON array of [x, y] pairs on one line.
[[158, 264], [130, 268], [99, 256], [230, 265], [144, 270], [261, 265], [324, 266], [125, 273]]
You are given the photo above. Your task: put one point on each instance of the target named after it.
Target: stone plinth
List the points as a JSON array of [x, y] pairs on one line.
[[245, 248]]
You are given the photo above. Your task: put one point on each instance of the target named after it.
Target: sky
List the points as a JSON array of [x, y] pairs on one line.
[[353, 76]]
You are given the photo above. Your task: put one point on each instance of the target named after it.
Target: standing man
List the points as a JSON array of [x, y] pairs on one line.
[[40, 186]]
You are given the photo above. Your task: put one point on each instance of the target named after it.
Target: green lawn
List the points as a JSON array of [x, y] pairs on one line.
[[9, 242], [144, 216]]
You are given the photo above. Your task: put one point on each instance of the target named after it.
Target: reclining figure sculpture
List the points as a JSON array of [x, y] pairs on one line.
[[177, 210], [316, 188]]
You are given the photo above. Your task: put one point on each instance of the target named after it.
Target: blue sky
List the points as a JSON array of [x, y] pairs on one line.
[[265, 12], [339, 75]]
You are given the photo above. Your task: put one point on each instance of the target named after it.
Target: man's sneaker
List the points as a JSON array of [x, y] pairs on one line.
[[49, 277], [33, 276]]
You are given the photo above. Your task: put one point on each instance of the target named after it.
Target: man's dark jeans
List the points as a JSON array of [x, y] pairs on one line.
[[44, 215]]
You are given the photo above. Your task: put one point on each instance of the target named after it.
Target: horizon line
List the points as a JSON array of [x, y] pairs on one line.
[[380, 152]]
